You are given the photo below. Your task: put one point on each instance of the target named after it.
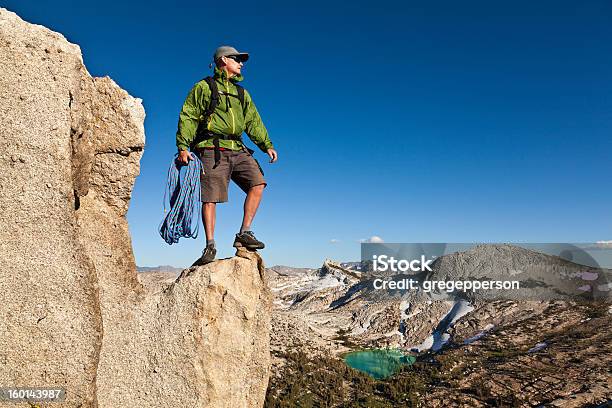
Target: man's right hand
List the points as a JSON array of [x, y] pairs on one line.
[[184, 157]]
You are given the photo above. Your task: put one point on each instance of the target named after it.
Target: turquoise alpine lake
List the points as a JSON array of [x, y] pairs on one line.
[[378, 363]]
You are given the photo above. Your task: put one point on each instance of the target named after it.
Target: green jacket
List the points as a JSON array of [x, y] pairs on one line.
[[228, 118]]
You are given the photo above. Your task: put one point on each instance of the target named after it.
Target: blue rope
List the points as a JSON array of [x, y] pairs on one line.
[[185, 204]]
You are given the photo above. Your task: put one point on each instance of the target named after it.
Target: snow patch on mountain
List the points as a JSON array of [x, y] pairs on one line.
[[440, 337]]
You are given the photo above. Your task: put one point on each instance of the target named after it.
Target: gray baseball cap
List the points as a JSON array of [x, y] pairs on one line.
[[227, 51]]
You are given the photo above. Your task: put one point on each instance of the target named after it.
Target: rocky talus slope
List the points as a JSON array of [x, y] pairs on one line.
[[74, 313]]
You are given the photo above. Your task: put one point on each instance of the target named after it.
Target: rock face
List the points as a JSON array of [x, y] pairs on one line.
[[74, 313], [202, 341]]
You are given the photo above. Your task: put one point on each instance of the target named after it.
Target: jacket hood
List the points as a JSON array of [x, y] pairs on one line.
[[219, 73]]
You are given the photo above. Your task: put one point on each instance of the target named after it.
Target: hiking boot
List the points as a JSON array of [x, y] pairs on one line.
[[247, 239], [208, 255]]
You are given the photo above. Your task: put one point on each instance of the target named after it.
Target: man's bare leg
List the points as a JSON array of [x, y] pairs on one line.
[[209, 216], [251, 204]]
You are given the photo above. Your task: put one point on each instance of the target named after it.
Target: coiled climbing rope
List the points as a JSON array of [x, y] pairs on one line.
[[185, 204]]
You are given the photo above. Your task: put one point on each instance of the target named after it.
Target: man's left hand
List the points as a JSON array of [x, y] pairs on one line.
[[273, 155]]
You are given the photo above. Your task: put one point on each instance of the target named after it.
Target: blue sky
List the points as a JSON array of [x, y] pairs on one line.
[[439, 122]]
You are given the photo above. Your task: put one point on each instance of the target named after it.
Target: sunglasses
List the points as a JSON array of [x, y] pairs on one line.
[[236, 58]]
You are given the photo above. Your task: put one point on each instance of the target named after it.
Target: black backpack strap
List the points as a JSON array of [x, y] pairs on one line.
[[214, 98], [212, 105]]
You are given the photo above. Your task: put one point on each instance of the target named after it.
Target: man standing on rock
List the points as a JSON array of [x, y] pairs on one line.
[[215, 114]]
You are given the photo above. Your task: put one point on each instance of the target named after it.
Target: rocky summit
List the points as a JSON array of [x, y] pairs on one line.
[[74, 313]]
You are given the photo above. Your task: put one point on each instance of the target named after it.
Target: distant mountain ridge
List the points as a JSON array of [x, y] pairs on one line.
[[160, 268]]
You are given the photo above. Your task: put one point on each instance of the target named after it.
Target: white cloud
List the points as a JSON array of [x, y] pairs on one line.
[[601, 245], [334, 241], [374, 239], [604, 244]]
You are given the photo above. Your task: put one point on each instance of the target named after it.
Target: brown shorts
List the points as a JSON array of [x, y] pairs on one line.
[[236, 165]]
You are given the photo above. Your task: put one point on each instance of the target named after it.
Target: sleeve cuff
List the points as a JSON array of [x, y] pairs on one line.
[[265, 146]]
